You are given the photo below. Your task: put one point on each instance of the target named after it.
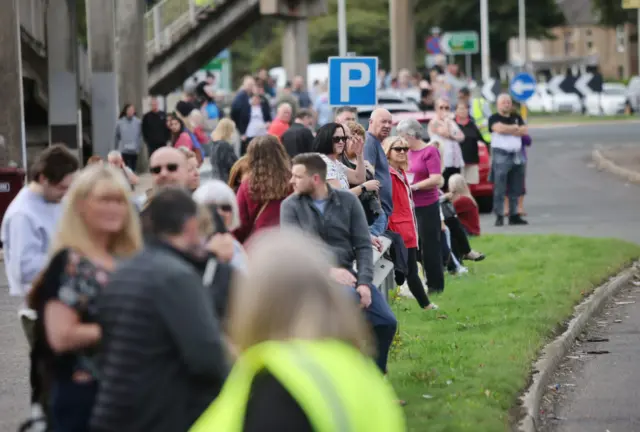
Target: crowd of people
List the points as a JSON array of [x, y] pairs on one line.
[[155, 310]]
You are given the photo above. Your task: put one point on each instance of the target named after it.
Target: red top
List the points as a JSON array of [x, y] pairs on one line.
[[468, 214], [278, 128], [184, 140], [402, 220], [199, 133], [249, 210]]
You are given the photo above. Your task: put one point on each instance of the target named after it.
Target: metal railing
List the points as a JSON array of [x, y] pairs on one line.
[[169, 20]]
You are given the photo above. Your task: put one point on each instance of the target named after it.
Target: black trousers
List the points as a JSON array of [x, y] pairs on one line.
[[413, 279], [459, 241], [429, 233], [130, 160]]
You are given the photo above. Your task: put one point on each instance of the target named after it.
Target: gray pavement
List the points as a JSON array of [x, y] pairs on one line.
[[565, 195]]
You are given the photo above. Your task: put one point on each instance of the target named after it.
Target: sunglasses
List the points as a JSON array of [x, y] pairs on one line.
[[172, 167], [337, 139], [225, 207], [444, 108], [400, 149]]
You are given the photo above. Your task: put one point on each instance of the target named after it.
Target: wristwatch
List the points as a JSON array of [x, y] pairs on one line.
[[364, 189]]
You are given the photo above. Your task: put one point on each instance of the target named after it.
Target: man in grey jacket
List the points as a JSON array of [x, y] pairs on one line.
[[337, 217], [163, 359]]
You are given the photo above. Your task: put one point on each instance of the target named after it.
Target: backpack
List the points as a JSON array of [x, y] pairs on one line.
[[197, 147]]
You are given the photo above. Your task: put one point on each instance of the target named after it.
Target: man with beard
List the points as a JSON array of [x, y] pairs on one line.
[[379, 128], [168, 167]]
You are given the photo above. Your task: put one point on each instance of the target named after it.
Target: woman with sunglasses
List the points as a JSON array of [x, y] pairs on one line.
[[330, 142], [444, 129], [403, 220], [425, 177]]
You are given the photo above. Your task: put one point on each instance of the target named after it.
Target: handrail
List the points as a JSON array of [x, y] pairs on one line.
[[170, 19]]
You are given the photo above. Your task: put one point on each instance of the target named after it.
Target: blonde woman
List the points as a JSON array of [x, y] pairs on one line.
[[193, 179], [304, 368], [98, 226], [223, 155], [465, 205]]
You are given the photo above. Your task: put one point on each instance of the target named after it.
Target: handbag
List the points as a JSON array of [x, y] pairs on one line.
[[448, 210]]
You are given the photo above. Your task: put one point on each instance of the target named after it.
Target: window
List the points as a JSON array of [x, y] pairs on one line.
[[568, 43]]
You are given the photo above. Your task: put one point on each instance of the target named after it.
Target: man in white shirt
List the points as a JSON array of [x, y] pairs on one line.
[[507, 166]]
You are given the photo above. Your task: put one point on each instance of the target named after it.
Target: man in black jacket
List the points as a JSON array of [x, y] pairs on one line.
[[337, 217], [154, 127], [299, 138], [163, 356]]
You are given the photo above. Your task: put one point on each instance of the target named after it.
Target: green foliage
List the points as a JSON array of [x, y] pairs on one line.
[[612, 14], [368, 30]]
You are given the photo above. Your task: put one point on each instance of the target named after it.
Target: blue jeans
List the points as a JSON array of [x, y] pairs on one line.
[[507, 169], [383, 322], [71, 405]]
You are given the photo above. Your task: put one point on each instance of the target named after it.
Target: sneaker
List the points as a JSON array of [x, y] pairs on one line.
[[517, 220], [432, 306], [462, 270], [474, 256], [499, 221]]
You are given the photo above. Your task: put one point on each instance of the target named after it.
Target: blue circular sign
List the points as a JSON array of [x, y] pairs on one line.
[[433, 45], [522, 86]]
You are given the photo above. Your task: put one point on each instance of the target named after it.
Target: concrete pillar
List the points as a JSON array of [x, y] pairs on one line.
[[403, 35], [132, 59], [11, 108], [101, 29], [295, 48], [62, 58]]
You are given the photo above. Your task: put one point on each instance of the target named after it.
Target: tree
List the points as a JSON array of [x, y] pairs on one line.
[[612, 14], [368, 29]]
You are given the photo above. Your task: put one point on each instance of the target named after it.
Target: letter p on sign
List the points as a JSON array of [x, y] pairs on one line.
[[353, 81]]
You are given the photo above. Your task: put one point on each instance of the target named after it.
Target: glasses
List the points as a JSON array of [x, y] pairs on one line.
[[400, 149], [171, 167], [444, 108], [225, 208], [337, 139]]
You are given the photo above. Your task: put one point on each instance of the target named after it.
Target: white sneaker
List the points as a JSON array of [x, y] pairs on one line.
[[462, 270]]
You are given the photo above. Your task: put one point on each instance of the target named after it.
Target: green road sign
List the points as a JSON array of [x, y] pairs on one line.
[[454, 43]]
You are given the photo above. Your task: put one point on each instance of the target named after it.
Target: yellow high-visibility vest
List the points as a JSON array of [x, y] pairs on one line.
[[478, 116], [337, 387]]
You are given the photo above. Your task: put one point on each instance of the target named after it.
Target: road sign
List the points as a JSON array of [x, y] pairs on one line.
[[352, 81], [432, 45], [460, 43], [631, 4], [522, 86], [491, 90], [554, 84]]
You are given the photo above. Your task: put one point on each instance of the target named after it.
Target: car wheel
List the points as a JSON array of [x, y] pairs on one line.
[[485, 204]]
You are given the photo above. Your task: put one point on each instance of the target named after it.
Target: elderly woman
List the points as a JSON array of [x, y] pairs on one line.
[[444, 129], [217, 193], [425, 178]]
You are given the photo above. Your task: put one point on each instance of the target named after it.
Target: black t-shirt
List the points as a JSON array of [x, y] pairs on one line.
[[513, 119], [272, 408]]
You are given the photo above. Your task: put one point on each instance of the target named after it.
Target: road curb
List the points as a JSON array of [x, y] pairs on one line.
[[603, 163], [554, 352], [558, 125]]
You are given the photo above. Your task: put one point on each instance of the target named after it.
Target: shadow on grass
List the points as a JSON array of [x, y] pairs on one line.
[[462, 368]]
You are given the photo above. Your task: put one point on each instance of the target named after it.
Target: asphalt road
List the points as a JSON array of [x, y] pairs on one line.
[[565, 195]]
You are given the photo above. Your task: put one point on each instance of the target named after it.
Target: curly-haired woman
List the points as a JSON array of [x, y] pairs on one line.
[[260, 195]]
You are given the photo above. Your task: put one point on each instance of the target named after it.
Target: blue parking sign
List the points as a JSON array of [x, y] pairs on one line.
[[353, 81]]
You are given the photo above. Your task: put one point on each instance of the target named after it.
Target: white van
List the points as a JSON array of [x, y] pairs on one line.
[[315, 72]]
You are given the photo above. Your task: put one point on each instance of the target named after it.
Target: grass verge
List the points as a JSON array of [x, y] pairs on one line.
[[462, 368]]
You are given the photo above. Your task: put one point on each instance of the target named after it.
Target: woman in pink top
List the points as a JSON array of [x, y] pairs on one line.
[[179, 135], [425, 177]]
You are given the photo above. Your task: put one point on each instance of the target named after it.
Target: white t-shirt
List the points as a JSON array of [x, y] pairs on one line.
[[336, 171], [257, 126]]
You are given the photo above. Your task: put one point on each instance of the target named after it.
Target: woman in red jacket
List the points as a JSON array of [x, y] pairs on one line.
[[466, 207], [266, 186], [402, 220]]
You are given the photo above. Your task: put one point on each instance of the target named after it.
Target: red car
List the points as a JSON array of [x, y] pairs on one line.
[[483, 191]]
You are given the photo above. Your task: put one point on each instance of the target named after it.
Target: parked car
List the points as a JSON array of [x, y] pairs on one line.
[[389, 101], [611, 101], [483, 191]]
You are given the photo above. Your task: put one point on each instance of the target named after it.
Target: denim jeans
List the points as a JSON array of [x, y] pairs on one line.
[[383, 322], [71, 405], [507, 172]]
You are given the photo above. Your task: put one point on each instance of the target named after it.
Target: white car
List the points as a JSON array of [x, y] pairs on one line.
[[611, 101], [390, 101], [541, 101]]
